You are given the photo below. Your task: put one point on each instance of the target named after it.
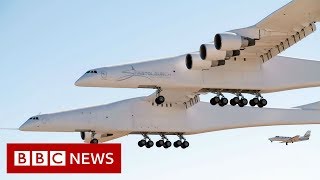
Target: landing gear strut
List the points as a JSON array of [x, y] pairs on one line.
[[146, 141], [93, 140], [159, 99]]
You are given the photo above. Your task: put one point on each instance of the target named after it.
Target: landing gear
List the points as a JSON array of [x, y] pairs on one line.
[[159, 99], [146, 141], [258, 100], [181, 144], [93, 139], [239, 99], [163, 142], [217, 100]]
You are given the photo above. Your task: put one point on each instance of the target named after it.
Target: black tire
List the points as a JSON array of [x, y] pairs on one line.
[[260, 105], [214, 100], [224, 101], [149, 144], [167, 144], [142, 143], [94, 141], [251, 102], [232, 102], [255, 100], [236, 100], [177, 143], [160, 143], [185, 144], [263, 102], [240, 104], [221, 104], [161, 99], [244, 101]]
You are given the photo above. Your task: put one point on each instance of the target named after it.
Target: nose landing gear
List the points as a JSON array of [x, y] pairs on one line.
[[159, 99], [93, 139]]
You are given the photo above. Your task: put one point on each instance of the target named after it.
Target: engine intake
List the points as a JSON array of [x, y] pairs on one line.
[[232, 41], [194, 62], [210, 53]]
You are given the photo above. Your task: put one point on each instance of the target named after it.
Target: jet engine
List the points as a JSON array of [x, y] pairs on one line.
[[209, 52], [194, 62], [232, 41]]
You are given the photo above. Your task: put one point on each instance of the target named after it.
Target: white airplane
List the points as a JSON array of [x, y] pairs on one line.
[[240, 61], [287, 140]]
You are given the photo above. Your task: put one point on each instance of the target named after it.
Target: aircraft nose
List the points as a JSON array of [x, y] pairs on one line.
[[27, 126], [87, 79]]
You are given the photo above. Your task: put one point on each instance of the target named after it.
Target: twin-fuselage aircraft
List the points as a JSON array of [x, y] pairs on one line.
[[243, 62]]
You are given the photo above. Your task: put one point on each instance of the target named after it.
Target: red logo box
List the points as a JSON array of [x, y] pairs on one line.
[[63, 158]]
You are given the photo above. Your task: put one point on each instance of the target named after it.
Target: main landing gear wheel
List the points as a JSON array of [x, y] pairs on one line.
[[144, 141], [185, 144], [149, 144], [214, 100], [160, 143], [260, 102], [177, 143], [167, 144], [94, 141], [181, 144], [239, 99], [217, 100]]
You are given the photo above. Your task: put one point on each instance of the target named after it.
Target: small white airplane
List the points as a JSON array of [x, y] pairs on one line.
[[239, 61], [287, 140]]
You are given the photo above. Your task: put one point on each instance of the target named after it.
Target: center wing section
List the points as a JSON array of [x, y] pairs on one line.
[[186, 98]]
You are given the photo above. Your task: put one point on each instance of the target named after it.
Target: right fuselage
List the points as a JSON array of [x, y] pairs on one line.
[[278, 74]]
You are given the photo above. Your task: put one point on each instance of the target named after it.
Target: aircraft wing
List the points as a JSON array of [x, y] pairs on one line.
[[295, 138], [187, 98], [280, 30]]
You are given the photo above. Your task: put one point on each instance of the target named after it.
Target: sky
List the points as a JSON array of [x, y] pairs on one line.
[[45, 46]]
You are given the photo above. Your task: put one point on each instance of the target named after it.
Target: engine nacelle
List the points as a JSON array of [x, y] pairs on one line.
[[209, 52], [194, 62], [232, 41]]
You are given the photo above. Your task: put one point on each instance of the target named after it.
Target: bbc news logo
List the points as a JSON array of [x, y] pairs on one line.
[[63, 158]]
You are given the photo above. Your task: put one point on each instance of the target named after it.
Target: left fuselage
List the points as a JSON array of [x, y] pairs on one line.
[[140, 116]]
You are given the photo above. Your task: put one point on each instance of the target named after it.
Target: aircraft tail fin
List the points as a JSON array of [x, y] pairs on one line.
[[308, 133], [312, 106]]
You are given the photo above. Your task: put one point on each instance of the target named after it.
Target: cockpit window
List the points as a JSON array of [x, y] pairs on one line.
[[92, 71], [34, 118]]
